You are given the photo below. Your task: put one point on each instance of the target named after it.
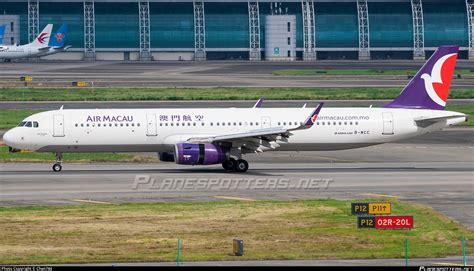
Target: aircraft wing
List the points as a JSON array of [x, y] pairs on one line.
[[425, 122], [261, 139]]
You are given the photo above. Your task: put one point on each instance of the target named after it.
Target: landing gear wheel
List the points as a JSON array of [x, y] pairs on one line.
[[241, 165], [57, 167], [229, 164], [59, 159]]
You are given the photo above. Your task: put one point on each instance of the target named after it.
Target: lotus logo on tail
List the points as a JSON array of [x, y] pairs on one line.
[[42, 38], [59, 37], [438, 82], [314, 118]]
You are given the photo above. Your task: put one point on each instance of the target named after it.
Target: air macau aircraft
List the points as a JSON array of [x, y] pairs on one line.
[[223, 135]]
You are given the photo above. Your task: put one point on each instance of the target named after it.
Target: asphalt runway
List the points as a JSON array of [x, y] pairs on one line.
[[208, 74], [199, 104], [437, 171]]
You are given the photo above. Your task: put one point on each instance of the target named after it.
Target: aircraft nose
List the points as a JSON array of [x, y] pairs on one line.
[[8, 138]]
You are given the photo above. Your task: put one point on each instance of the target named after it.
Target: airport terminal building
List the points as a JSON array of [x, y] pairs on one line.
[[286, 30]]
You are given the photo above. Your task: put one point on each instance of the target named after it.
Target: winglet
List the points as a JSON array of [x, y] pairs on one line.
[[259, 103], [312, 118]]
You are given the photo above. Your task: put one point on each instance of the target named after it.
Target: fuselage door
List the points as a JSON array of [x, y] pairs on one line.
[[266, 122], [387, 123], [151, 125], [58, 125]]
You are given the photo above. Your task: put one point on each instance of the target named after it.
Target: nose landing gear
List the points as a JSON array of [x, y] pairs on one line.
[[57, 167]]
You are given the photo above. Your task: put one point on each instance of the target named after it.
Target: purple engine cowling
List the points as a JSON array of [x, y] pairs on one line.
[[200, 154]]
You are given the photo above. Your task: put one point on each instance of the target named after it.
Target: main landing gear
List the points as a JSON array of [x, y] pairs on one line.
[[237, 165], [59, 160]]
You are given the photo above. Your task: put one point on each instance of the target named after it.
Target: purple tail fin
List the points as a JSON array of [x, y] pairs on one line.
[[429, 88]]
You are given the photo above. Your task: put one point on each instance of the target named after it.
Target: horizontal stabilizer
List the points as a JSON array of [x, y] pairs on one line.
[[425, 122]]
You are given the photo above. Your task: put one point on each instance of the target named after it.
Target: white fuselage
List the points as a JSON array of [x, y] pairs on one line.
[[21, 51], [158, 130]]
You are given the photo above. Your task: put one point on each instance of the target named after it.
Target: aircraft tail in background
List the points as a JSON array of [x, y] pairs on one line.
[[2, 31], [43, 38], [58, 39], [429, 88]]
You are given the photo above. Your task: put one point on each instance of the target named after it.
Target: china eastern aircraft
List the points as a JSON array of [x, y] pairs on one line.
[[223, 135], [56, 42], [39, 45]]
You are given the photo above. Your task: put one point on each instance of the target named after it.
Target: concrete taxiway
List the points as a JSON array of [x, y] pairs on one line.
[[437, 171], [447, 261], [210, 74]]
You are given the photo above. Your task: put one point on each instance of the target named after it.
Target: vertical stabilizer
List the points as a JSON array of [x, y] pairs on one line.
[[429, 88]]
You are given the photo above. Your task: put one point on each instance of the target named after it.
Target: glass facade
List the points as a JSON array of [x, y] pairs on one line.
[[227, 24], [390, 25], [445, 23], [69, 13], [172, 25], [336, 25], [116, 25]]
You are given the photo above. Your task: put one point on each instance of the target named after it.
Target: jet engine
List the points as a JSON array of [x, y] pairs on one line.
[[166, 156], [200, 154]]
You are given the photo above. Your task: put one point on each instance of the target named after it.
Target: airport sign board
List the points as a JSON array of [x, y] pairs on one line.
[[371, 208], [394, 222], [385, 222]]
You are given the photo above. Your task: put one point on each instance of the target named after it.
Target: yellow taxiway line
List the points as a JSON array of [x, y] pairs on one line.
[[380, 195], [92, 201], [234, 198]]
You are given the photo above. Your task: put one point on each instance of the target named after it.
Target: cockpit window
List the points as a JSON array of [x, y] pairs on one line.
[[35, 124], [22, 124], [28, 124]]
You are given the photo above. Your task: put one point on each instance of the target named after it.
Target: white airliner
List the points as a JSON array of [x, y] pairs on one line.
[[37, 47], [222, 136]]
